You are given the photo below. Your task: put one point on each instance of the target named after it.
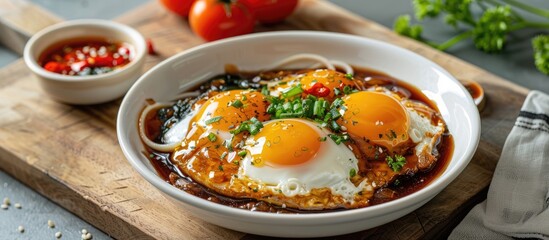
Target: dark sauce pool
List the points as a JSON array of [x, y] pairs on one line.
[[404, 185]]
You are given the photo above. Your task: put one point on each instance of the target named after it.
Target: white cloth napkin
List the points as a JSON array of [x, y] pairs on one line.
[[518, 196]]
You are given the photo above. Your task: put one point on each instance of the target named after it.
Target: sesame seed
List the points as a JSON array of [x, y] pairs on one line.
[[84, 231], [18, 205], [51, 224], [7, 201], [21, 229], [58, 235], [87, 236], [4, 206]]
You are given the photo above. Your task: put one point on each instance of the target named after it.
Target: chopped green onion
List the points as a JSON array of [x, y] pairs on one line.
[[296, 106], [287, 106], [220, 168], [242, 153], [352, 172], [265, 91], [253, 129], [278, 113], [308, 106], [223, 155], [237, 104], [212, 120], [334, 126], [293, 91], [337, 103], [325, 104], [349, 76], [337, 91], [335, 113], [272, 109], [339, 138], [335, 138], [212, 137], [252, 126], [228, 144], [286, 115], [319, 109], [347, 90]]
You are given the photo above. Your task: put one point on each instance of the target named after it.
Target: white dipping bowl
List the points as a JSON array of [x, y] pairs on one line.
[[86, 89], [254, 52]]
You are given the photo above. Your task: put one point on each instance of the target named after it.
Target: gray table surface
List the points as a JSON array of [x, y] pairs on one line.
[[515, 64]]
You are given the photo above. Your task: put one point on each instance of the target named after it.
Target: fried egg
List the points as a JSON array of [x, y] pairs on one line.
[[294, 156], [385, 119], [330, 79]]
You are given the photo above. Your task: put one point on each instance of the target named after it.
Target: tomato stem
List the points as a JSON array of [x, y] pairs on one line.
[[227, 6]]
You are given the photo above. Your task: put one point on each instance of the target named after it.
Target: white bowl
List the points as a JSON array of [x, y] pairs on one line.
[[86, 89], [254, 52]]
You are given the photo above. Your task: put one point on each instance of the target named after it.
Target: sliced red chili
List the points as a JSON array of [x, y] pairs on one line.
[[106, 61], [150, 47], [52, 67], [56, 67], [322, 92], [318, 90]]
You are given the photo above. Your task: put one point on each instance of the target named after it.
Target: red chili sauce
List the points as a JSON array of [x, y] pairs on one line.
[[86, 56]]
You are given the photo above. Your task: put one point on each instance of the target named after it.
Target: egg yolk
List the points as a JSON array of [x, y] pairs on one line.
[[286, 142], [227, 110], [377, 117], [329, 79]]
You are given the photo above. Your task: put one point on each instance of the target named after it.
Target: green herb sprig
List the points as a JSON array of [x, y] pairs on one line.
[[396, 163], [489, 31]]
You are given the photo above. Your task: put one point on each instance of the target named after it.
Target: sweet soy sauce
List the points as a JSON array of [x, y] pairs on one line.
[[86, 56], [402, 186]]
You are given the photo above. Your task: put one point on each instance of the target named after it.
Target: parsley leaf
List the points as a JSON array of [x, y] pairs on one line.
[[396, 163], [541, 53]]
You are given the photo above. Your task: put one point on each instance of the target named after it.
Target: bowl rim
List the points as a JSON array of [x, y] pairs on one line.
[[437, 185], [140, 48]]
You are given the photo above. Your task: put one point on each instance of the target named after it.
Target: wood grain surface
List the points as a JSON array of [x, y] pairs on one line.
[[70, 153], [19, 19]]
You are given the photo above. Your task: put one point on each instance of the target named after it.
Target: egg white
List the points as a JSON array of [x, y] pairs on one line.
[[330, 168], [422, 132]]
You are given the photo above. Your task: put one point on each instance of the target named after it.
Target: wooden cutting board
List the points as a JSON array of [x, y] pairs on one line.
[[70, 153]]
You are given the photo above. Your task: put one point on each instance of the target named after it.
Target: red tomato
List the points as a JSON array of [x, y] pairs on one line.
[[180, 7], [271, 11], [216, 19]]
